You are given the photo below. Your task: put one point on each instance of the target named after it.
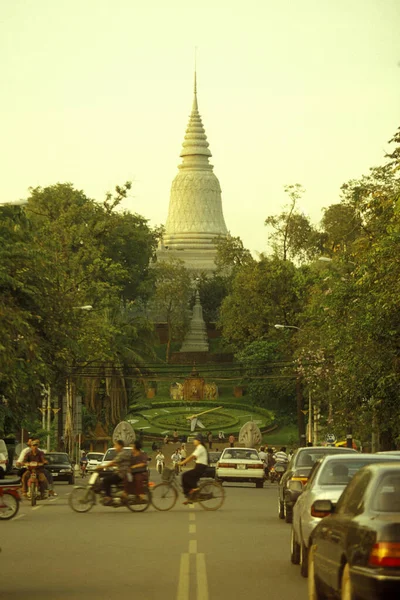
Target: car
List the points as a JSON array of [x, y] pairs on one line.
[[327, 482], [3, 459], [355, 550], [60, 466], [94, 460], [292, 481], [213, 458], [240, 464]]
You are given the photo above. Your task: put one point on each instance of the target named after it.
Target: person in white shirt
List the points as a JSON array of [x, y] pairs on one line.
[[183, 452], [160, 461], [281, 456], [190, 478], [176, 459]]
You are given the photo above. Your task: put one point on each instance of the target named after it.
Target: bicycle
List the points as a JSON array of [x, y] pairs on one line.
[[83, 470], [210, 494]]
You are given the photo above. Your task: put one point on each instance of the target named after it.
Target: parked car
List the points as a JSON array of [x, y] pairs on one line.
[[240, 464], [60, 466], [296, 476], [355, 551], [327, 482], [213, 458], [94, 460]]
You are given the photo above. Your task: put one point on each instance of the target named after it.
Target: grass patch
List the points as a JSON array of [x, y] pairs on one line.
[[285, 436]]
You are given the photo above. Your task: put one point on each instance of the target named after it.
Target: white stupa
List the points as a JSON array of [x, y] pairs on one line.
[[196, 339], [195, 217]]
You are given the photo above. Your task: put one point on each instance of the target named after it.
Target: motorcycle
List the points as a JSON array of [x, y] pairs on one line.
[[9, 498], [83, 498], [34, 485], [276, 472]]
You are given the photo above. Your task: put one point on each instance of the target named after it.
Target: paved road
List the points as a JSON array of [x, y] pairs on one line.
[[240, 551]]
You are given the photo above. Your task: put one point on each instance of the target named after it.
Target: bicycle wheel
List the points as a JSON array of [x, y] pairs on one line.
[[164, 496], [211, 495], [82, 499], [9, 506], [136, 504]]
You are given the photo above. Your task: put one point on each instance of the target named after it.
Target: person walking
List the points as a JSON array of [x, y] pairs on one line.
[[210, 440], [232, 440], [183, 451]]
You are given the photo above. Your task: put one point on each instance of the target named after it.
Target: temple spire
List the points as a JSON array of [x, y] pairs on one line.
[[195, 105]]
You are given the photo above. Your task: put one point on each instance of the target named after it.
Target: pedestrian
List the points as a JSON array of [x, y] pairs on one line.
[[154, 446], [232, 440], [262, 454], [166, 439], [210, 440], [183, 452], [175, 437]]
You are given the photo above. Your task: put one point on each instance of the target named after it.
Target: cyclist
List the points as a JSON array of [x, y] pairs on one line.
[[83, 463], [190, 478]]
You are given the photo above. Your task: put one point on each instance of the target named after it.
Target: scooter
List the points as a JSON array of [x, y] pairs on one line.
[[9, 498], [276, 472], [33, 484]]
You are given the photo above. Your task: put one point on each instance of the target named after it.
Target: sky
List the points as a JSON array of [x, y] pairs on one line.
[[98, 92]]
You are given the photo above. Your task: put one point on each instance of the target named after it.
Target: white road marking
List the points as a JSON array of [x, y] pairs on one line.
[[192, 516], [192, 528], [192, 546], [19, 516], [191, 506], [183, 583], [37, 507], [201, 572]]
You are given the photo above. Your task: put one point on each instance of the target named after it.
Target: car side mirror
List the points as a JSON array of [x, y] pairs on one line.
[[295, 486], [322, 508]]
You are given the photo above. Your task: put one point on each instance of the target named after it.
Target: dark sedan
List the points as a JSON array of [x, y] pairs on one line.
[[355, 551], [296, 475], [60, 467]]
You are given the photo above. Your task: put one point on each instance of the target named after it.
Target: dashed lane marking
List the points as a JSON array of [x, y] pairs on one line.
[[19, 516], [37, 507], [192, 516], [192, 528], [192, 546]]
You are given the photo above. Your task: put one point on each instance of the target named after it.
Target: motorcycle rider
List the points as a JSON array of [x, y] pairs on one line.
[[25, 474], [122, 461], [160, 461], [36, 455], [281, 456]]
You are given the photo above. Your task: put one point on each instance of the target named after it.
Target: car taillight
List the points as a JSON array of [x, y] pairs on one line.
[[260, 466], [385, 554], [302, 479], [226, 466]]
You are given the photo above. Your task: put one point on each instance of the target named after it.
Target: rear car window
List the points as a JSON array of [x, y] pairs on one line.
[[57, 459], [241, 454], [339, 472], [387, 496]]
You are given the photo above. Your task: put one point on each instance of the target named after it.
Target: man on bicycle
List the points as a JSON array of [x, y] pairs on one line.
[[191, 478], [83, 463]]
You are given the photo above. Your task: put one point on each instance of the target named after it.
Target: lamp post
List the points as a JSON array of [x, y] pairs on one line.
[[299, 396]]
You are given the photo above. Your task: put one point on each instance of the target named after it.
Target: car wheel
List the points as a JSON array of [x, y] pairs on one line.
[[313, 591], [281, 513], [288, 511], [346, 589], [303, 559], [294, 548], [259, 484]]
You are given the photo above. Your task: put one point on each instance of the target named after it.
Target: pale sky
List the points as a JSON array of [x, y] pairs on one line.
[[97, 92]]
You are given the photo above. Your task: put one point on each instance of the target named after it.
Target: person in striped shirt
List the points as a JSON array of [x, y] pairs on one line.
[[281, 456]]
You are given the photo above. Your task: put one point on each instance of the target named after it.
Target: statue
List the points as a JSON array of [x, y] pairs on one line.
[[211, 391], [176, 391], [250, 435], [125, 432]]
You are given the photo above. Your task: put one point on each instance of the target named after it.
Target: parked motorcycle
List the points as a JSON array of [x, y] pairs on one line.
[[83, 498], [9, 498]]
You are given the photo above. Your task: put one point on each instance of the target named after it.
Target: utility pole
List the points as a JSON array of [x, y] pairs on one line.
[[310, 436], [48, 417]]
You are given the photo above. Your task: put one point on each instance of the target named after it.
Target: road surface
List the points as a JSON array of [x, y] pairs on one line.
[[240, 551]]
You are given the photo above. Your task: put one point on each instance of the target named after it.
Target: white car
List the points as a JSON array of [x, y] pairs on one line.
[[94, 460], [240, 464], [327, 481], [3, 459]]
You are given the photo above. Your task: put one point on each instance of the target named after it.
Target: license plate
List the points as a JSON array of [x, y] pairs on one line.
[[241, 466], [55, 474]]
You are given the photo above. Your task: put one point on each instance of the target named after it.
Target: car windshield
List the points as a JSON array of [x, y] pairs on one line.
[[387, 496], [95, 456], [308, 458], [111, 453], [240, 454], [58, 459], [339, 472]]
